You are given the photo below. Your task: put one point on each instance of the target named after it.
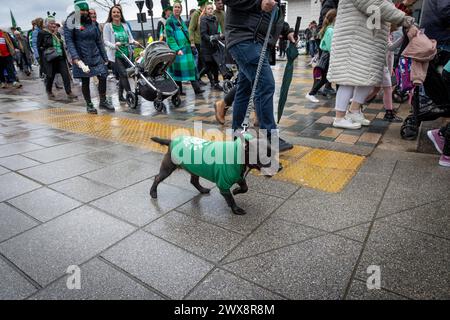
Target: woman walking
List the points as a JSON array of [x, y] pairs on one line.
[[53, 57], [210, 33], [358, 55], [118, 37], [85, 45], [183, 68]]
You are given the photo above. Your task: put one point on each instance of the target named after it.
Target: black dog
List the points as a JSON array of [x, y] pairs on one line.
[[219, 175]]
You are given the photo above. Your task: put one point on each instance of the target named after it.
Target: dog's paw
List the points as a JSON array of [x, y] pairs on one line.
[[239, 211], [153, 194], [204, 190]]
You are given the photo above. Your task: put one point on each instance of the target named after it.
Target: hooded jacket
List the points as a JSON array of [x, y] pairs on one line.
[[327, 5]]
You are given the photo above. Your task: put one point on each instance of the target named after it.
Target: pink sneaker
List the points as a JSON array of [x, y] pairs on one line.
[[437, 139], [444, 161]]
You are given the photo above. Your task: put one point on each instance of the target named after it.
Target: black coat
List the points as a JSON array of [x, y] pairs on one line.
[[209, 26], [436, 20], [327, 5], [45, 41]]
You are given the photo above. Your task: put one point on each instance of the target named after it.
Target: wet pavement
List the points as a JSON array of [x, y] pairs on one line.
[[75, 197]]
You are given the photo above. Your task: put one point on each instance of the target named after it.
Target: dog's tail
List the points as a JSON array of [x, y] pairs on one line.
[[164, 142]]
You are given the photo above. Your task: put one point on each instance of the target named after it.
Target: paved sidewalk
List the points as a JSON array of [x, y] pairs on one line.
[[68, 199]]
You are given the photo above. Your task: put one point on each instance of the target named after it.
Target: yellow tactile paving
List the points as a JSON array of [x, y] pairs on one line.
[[325, 170]]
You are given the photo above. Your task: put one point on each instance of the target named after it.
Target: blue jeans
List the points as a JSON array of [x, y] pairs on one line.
[[246, 54], [312, 48]]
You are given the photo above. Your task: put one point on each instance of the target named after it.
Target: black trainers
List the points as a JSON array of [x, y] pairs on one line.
[[202, 83], [90, 108], [106, 104], [284, 145], [392, 117], [217, 87]]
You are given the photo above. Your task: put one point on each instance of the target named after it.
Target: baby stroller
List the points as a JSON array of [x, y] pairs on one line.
[[152, 82], [436, 88], [220, 57]]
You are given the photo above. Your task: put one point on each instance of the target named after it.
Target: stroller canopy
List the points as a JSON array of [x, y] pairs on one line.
[[158, 57]]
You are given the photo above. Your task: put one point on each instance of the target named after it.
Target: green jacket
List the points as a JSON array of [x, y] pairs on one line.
[[220, 162], [194, 28], [220, 15], [325, 43]]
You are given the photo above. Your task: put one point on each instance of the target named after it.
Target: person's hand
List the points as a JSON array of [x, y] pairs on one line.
[[83, 67], [408, 21], [180, 53], [136, 43], [267, 5], [118, 44], [291, 37]]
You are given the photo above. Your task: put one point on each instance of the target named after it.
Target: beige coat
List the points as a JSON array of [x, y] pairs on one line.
[[358, 53]]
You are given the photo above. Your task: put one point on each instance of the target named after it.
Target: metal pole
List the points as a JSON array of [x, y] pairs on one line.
[[153, 27], [143, 36], [187, 10]]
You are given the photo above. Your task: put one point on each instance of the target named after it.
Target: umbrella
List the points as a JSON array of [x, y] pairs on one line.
[[292, 54], [13, 20]]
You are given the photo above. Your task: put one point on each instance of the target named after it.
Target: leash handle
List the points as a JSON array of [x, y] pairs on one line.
[[251, 103]]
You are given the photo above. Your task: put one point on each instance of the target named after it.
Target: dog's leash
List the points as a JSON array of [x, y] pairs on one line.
[[251, 103]]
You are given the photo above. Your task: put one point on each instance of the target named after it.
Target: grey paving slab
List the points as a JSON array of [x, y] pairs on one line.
[[213, 209], [150, 157], [74, 136], [124, 173], [357, 233], [271, 186], [14, 286], [222, 285], [315, 269], [412, 264], [14, 185], [359, 291], [272, 234], [365, 185], [96, 143], [82, 189], [136, 152], [378, 166], [107, 157], [308, 193], [3, 170], [60, 170], [135, 205], [58, 152], [17, 148], [50, 141], [204, 239], [433, 218], [99, 281], [44, 204], [163, 266], [330, 213], [45, 252], [13, 222], [17, 162]]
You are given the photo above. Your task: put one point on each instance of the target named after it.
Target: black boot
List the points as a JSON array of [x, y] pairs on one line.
[[391, 116], [106, 104], [196, 87], [180, 88], [90, 108], [121, 97]]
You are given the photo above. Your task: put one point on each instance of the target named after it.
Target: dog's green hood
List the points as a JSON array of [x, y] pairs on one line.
[[220, 162]]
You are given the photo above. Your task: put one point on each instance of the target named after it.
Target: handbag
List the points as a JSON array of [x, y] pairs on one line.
[[50, 54]]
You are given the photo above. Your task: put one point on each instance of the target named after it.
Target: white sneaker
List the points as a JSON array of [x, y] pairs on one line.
[[357, 117], [312, 98], [17, 85], [345, 124]]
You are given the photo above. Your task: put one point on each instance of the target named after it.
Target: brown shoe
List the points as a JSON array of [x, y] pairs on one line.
[[50, 96], [71, 96], [219, 108]]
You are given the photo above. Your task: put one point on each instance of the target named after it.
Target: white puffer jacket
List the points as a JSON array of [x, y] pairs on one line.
[[358, 53]]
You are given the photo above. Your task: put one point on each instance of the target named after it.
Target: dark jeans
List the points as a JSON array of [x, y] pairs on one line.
[[87, 91], [319, 83], [445, 132], [7, 63], [59, 65], [246, 54], [120, 68], [212, 69]]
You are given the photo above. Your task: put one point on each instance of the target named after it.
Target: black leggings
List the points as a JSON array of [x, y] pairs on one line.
[[120, 67], [229, 97], [445, 132], [59, 65], [87, 91], [212, 69]]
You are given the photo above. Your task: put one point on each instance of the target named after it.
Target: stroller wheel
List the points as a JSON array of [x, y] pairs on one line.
[[176, 101], [159, 106], [410, 128], [132, 100], [227, 86]]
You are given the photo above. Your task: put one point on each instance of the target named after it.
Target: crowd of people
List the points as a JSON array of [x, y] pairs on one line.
[[359, 60]]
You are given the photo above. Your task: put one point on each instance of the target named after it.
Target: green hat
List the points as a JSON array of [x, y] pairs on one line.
[[82, 5], [177, 1], [202, 2], [51, 17], [165, 5]]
